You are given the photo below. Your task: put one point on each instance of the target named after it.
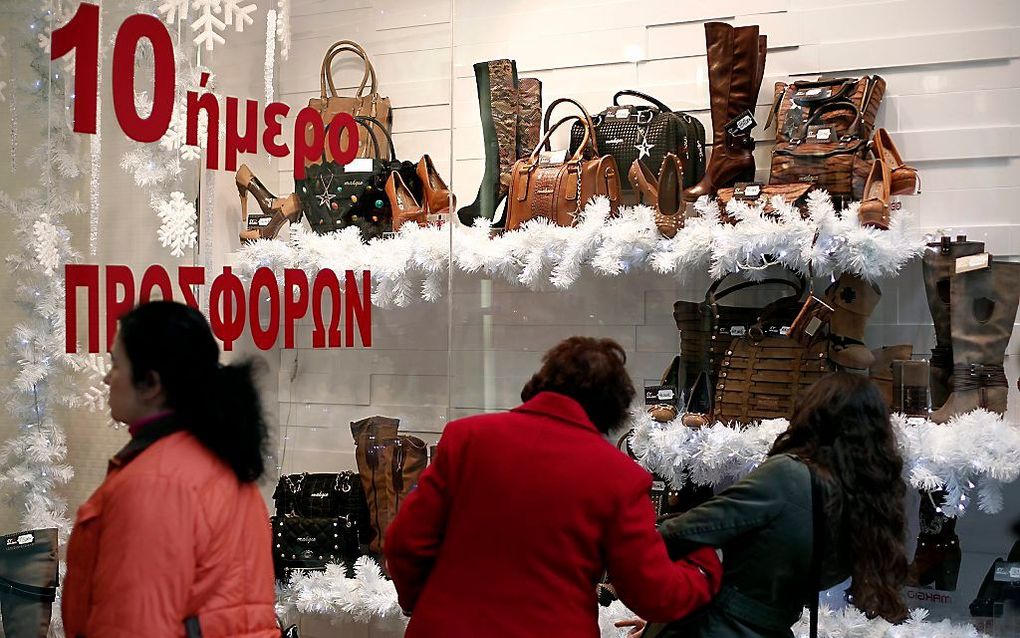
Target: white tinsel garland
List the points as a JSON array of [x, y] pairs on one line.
[[977, 450], [369, 596], [410, 266]]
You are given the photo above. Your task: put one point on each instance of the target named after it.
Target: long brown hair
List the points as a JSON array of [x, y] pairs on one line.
[[841, 428]]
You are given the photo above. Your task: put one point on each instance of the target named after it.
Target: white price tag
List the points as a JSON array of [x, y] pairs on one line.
[[359, 165], [622, 114], [823, 134], [752, 190], [973, 262], [552, 157], [666, 395], [816, 91], [737, 331]]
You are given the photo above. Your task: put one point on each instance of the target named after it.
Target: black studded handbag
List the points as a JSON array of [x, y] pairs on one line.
[[335, 196], [647, 132]]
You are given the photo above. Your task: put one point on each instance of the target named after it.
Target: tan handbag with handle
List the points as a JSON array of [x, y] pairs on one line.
[[556, 189], [365, 102]]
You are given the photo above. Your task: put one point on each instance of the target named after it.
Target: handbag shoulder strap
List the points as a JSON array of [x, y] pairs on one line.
[[578, 154], [365, 120], [371, 134], [368, 78], [844, 105], [585, 118], [643, 96]]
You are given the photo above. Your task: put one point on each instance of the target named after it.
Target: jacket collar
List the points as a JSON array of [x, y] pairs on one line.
[[153, 431], [557, 406]]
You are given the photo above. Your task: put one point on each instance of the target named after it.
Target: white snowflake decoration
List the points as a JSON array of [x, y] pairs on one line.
[[208, 26], [177, 230], [174, 10], [47, 245]]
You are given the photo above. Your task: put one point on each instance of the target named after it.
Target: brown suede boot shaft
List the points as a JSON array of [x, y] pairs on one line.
[[853, 301], [983, 310]]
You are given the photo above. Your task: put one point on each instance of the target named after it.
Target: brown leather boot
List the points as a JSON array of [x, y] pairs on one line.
[[28, 582], [736, 66], [529, 116], [389, 465], [853, 300], [983, 309], [881, 370], [937, 268]]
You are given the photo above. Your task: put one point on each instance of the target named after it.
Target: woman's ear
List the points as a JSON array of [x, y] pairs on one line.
[[151, 387]]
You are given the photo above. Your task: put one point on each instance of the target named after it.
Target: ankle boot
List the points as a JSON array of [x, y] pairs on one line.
[[498, 98], [881, 370], [938, 554], [983, 309], [529, 116], [28, 582], [736, 65], [853, 300], [937, 267]]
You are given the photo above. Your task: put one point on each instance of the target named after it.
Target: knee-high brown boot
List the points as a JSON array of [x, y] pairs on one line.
[[983, 309], [736, 66], [937, 267]]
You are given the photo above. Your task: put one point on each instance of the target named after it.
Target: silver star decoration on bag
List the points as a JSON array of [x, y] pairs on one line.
[[644, 148], [326, 195]]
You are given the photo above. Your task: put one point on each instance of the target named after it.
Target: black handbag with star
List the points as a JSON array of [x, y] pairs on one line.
[[335, 196], [629, 132]]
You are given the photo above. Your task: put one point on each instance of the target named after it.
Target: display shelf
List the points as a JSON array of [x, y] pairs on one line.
[[976, 451], [411, 266]]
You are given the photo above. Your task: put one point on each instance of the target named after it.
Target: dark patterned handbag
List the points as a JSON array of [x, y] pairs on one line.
[[303, 543], [324, 495], [629, 132], [336, 196]]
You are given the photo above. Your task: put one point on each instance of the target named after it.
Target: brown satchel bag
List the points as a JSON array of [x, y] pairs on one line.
[[762, 376], [823, 130], [541, 186], [754, 194], [370, 103], [390, 465]]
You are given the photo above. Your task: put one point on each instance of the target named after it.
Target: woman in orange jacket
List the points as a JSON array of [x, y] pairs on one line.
[[176, 541]]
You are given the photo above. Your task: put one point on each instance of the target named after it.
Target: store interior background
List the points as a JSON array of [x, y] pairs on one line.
[[952, 106]]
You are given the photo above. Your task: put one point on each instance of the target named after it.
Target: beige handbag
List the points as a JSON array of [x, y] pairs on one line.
[[365, 102]]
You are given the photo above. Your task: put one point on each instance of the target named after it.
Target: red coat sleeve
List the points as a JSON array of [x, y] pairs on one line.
[[145, 563], [645, 579], [415, 536]]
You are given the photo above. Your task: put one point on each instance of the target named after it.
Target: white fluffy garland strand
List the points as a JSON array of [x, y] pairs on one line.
[[369, 596], [411, 265], [976, 450]]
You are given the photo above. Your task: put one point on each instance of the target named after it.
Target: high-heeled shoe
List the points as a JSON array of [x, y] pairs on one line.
[[437, 198], [669, 206], [644, 181], [247, 182], [404, 206], [874, 210], [905, 180], [287, 209]]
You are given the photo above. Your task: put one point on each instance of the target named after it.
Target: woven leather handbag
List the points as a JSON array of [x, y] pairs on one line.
[[762, 375], [303, 543], [365, 102], [647, 132], [542, 186], [762, 195], [823, 130], [336, 196], [390, 465], [707, 327]]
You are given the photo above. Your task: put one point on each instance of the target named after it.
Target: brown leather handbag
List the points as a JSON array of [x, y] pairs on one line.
[[390, 465], [707, 327], [761, 376], [754, 194], [823, 130], [556, 189], [365, 102]]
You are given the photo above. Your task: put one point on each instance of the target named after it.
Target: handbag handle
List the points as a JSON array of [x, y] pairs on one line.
[[712, 298], [375, 144], [833, 106], [326, 73], [644, 96], [578, 154], [845, 86], [589, 124], [367, 119]]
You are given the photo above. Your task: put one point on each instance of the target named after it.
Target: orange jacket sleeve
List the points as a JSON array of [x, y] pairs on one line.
[[645, 579], [145, 566]]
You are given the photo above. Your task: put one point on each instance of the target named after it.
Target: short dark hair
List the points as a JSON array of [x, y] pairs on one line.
[[591, 371], [219, 404]]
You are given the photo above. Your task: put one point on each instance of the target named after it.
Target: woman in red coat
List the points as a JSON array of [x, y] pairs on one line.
[[176, 541], [521, 513]]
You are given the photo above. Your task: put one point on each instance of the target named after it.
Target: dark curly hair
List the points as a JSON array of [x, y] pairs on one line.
[[591, 371], [841, 428], [219, 404]]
